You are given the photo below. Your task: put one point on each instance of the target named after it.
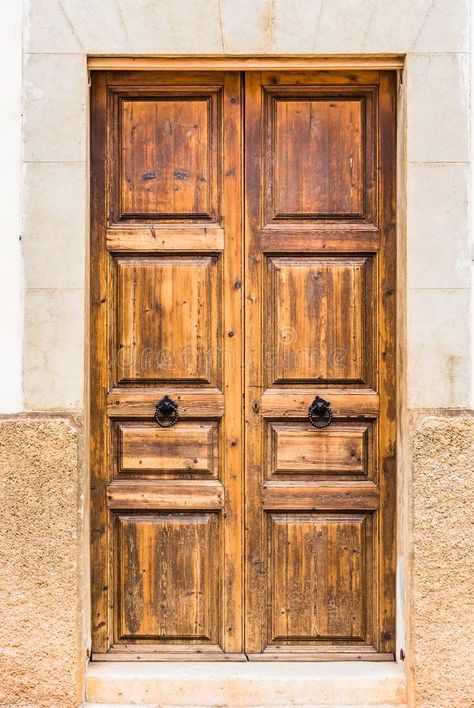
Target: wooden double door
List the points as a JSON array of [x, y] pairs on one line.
[[243, 264]]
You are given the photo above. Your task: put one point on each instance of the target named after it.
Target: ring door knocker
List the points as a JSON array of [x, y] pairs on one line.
[[320, 408], [168, 409]]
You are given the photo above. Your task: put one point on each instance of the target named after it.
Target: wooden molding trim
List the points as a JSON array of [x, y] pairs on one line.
[[238, 63]]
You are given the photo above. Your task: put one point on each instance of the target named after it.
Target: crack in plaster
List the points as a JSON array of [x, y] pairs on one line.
[[70, 24]]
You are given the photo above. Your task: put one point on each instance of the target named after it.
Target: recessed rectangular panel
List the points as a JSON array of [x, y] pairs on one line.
[[321, 319], [318, 157], [319, 577], [185, 450], [167, 571], [168, 318], [297, 450], [168, 157]]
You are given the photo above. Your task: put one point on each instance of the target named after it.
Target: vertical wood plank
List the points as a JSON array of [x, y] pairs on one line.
[[255, 590], [232, 357], [100, 581], [387, 349]]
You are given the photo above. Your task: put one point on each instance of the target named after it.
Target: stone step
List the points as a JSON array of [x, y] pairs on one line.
[[245, 685]]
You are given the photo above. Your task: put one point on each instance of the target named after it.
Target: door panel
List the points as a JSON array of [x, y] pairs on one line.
[[319, 158], [320, 258], [169, 141], [345, 451], [322, 139], [243, 531], [167, 157], [167, 320], [319, 580], [182, 452], [308, 342], [168, 577]]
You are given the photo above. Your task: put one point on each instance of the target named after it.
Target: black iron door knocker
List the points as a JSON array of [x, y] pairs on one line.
[[320, 409], [168, 409]]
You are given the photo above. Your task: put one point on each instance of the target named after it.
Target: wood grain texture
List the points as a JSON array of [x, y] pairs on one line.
[[168, 318], [188, 450], [139, 402], [341, 62], [166, 237], [208, 543], [165, 157], [165, 494], [294, 403], [318, 158], [167, 575], [297, 450], [317, 495], [322, 557], [166, 146], [156, 238], [321, 314], [101, 580], [316, 182]]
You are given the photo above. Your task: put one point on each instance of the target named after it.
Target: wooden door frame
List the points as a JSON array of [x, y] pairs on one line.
[[192, 62], [392, 63]]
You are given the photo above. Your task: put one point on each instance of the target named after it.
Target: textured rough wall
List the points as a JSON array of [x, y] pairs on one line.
[[442, 607], [40, 628]]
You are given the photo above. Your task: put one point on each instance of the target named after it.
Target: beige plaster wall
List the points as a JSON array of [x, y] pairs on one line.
[[42, 654], [442, 593], [434, 158]]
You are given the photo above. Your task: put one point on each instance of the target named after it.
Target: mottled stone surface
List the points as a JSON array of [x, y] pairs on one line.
[[246, 26], [41, 640], [248, 684], [442, 607]]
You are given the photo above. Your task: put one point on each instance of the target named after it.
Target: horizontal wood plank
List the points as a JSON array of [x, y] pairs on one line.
[[320, 655], [141, 402], [134, 654], [165, 494], [280, 239], [153, 238], [295, 403], [218, 63], [166, 649], [315, 496]]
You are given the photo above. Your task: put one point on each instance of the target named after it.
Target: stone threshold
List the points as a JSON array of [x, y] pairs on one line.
[[206, 684]]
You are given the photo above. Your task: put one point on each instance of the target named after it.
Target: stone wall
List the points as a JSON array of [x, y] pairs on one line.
[[442, 591], [42, 655]]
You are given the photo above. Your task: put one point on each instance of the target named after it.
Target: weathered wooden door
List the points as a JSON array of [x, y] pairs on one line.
[[320, 319], [167, 321], [243, 263]]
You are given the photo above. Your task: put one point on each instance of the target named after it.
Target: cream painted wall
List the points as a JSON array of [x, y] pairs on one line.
[[11, 311]]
